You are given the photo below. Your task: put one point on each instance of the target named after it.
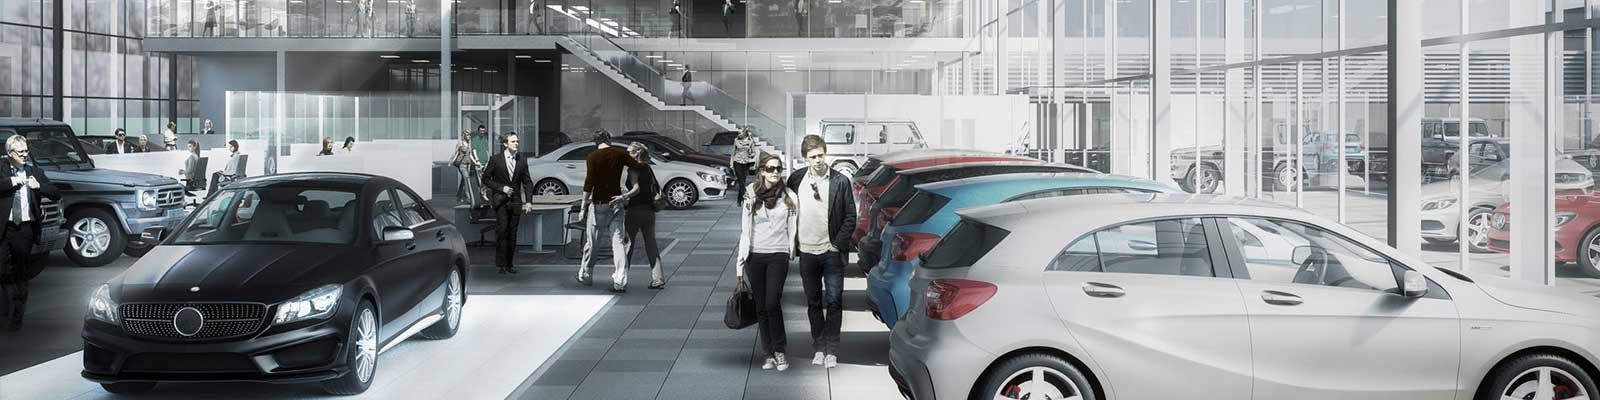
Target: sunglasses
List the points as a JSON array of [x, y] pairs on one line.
[[814, 192], [772, 169], [23, 151]]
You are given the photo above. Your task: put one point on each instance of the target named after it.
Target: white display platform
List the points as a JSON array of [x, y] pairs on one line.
[[503, 339]]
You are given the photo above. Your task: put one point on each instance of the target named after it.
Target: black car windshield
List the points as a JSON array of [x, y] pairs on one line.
[[52, 146], [274, 214]]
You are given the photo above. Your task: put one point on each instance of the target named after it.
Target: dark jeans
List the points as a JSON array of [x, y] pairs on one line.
[[506, 219], [740, 172], [765, 273], [641, 220], [823, 279], [15, 250]]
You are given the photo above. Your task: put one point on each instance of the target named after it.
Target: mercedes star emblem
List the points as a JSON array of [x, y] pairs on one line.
[[188, 321]]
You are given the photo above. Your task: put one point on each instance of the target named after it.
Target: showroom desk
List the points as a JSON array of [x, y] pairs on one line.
[[545, 207]]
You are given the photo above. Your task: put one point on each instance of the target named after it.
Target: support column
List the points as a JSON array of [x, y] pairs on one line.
[[1236, 116], [58, 48], [1536, 113], [1160, 90], [447, 100], [1405, 125]]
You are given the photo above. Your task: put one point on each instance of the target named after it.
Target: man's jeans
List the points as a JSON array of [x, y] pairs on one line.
[[606, 221], [823, 279]]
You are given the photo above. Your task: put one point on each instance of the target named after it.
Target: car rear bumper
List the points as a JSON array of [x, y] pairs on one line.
[[936, 365], [308, 354]]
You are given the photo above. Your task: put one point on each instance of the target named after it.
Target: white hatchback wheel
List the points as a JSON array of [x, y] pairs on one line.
[[1544, 383], [1038, 383]]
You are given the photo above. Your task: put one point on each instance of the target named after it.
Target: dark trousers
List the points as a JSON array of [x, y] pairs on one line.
[[16, 246], [740, 172], [506, 218], [823, 279], [641, 220], [765, 273]]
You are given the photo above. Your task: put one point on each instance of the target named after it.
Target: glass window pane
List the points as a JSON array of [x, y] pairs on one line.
[[1170, 247], [1272, 248]]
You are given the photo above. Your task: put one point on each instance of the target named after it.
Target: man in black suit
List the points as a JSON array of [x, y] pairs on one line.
[[507, 179], [21, 186], [122, 145]]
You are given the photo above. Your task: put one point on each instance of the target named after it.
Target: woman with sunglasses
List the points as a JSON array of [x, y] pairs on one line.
[[765, 244]]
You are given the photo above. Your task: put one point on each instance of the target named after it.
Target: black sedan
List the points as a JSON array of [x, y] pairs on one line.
[[292, 278]]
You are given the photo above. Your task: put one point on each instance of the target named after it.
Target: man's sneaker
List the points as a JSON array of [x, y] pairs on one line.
[[831, 361], [817, 359], [768, 364], [781, 361]]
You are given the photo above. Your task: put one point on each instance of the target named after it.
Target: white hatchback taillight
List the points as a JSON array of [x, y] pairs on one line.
[[949, 299]]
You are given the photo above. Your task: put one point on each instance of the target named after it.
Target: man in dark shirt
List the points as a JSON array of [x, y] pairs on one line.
[[602, 183]]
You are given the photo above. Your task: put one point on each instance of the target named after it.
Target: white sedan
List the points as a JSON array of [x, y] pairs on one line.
[[562, 171]]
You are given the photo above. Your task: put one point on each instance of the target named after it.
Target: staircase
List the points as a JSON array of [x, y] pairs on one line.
[[638, 76]]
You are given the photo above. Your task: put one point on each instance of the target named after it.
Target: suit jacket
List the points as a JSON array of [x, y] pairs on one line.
[[496, 179], [8, 193], [127, 147], [841, 208]]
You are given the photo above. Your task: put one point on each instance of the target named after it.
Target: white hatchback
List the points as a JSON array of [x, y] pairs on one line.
[[562, 172]]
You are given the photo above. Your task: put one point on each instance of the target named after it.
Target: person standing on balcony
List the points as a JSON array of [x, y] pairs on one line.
[[363, 16], [211, 18], [677, 20], [535, 23], [411, 18], [744, 158], [688, 82], [801, 11], [727, 17]]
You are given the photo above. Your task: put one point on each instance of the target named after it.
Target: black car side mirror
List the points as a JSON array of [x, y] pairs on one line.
[[153, 236]]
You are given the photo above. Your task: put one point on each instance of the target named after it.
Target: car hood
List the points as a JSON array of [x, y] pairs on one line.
[[246, 272], [1539, 297], [684, 168], [702, 158], [110, 176]]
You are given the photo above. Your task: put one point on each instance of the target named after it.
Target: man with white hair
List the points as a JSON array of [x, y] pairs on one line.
[[21, 186]]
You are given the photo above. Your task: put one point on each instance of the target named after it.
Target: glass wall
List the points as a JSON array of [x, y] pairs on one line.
[[108, 81]]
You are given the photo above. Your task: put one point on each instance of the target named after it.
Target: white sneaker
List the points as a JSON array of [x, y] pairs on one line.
[[817, 359], [831, 361], [783, 362], [769, 364]]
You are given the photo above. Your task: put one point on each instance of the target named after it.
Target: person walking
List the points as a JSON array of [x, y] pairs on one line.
[[507, 179], [327, 146], [827, 217], [169, 137], [767, 221], [19, 202], [535, 24], [640, 201], [602, 183], [743, 160], [467, 163], [688, 81]]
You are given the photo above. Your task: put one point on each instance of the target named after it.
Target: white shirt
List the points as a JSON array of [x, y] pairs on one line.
[[813, 229], [121, 147], [760, 231], [20, 206]]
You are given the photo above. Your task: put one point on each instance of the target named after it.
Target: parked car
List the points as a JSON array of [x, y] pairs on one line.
[[931, 212], [673, 150], [851, 140], [97, 144], [684, 184], [105, 209], [1489, 184], [292, 278], [899, 192], [1577, 230], [721, 143], [1080, 296], [1200, 169], [887, 172], [550, 141]]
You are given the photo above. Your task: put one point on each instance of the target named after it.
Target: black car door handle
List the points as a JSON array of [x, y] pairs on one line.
[[439, 235], [411, 246]]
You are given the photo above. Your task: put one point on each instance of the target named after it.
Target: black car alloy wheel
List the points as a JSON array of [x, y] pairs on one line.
[[361, 353]]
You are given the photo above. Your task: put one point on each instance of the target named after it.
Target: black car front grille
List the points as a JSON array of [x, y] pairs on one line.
[[222, 320], [195, 362], [52, 212]]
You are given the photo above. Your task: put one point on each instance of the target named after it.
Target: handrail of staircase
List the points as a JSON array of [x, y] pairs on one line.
[[654, 81]]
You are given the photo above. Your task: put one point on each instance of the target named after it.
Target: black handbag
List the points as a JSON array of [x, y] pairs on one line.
[[741, 310]]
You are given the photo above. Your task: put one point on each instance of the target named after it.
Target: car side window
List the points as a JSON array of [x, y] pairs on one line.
[[839, 134], [876, 134], [384, 213], [1164, 247], [902, 133], [578, 154], [416, 211], [1291, 252]]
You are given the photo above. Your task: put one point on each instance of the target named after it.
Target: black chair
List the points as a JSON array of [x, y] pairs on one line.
[[483, 214]]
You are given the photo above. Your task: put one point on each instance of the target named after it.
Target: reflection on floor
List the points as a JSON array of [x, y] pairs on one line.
[[502, 340]]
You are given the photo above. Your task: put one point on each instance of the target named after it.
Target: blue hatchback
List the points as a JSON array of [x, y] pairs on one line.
[[931, 212]]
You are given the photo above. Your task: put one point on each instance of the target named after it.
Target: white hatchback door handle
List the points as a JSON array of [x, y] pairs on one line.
[[1096, 289], [1280, 298]]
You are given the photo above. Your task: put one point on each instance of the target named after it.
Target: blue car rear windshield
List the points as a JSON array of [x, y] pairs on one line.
[[921, 207], [968, 242]]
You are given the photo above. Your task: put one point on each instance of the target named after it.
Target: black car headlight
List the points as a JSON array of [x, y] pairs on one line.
[[101, 307], [314, 303]]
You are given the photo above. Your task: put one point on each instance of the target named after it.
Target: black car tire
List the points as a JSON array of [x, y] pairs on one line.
[[455, 296], [1191, 181], [128, 387], [1061, 377], [90, 217], [352, 382], [691, 196], [136, 249], [1509, 376]]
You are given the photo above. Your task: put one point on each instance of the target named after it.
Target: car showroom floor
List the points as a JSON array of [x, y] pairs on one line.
[[535, 335]]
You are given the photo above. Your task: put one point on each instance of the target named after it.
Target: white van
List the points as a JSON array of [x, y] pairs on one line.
[[851, 141]]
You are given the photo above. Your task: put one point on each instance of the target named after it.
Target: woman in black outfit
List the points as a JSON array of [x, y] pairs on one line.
[[641, 217], [768, 221]]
